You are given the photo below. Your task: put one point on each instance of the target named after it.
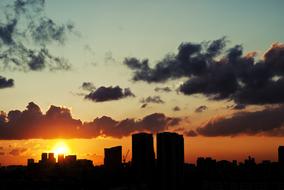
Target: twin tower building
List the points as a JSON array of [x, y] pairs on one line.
[[166, 170]]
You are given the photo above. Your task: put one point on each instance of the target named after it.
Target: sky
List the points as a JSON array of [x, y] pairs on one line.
[[91, 73]]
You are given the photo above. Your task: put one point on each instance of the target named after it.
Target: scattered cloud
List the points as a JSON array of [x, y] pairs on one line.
[[201, 109], [88, 86], [151, 100], [103, 94], [176, 108], [25, 34], [109, 57], [218, 72], [163, 89], [6, 83]]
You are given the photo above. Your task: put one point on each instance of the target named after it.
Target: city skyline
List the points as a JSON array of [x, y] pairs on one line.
[[78, 77]]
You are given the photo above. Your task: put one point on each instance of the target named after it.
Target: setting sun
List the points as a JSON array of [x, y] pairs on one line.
[[61, 148]]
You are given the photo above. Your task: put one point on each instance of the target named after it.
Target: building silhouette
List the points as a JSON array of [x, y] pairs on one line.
[[30, 162], [60, 159], [70, 160], [281, 154], [51, 158], [113, 157], [43, 157], [143, 156], [170, 160]]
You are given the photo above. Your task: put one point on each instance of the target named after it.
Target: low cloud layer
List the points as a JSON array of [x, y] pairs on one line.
[[25, 34], [6, 83], [218, 72], [269, 121], [58, 122], [103, 94]]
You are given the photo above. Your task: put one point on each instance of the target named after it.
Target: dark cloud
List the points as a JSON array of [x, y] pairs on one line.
[[17, 151], [151, 100], [190, 133], [58, 122], [176, 108], [6, 83], [218, 72], [144, 105], [103, 94], [239, 106], [24, 24], [88, 86], [163, 89], [201, 109], [265, 122]]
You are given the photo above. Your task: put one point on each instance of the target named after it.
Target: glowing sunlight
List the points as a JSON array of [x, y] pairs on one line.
[[60, 148]]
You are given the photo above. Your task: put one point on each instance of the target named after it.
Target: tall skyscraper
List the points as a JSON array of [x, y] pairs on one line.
[[143, 156], [43, 157], [170, 160], [281, 154], [113, 157]]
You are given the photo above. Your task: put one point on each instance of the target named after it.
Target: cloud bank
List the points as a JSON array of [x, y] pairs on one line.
[[58, 122], [269, 122]]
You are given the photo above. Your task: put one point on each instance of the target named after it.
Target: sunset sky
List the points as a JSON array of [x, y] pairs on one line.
[[87, 74]]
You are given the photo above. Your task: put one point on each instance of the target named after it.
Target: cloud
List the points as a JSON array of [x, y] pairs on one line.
[[190, 133], [265, 122], [109, 57], [176, 108], [218, 72], [151, 100], [6, 83], [103, 94], [163, 89], [88, 86], [17, 151], [25, 34], [201, 109], [239, 106], [58, 122]]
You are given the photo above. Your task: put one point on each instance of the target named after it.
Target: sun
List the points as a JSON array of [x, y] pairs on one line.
[[61, 148]]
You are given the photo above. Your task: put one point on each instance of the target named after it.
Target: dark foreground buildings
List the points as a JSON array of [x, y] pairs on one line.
[[281, 154], [143, 157], [170, 160], [113, 158], [167, 172]]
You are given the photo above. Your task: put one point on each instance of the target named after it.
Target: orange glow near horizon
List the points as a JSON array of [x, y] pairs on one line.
[[61, 148]]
